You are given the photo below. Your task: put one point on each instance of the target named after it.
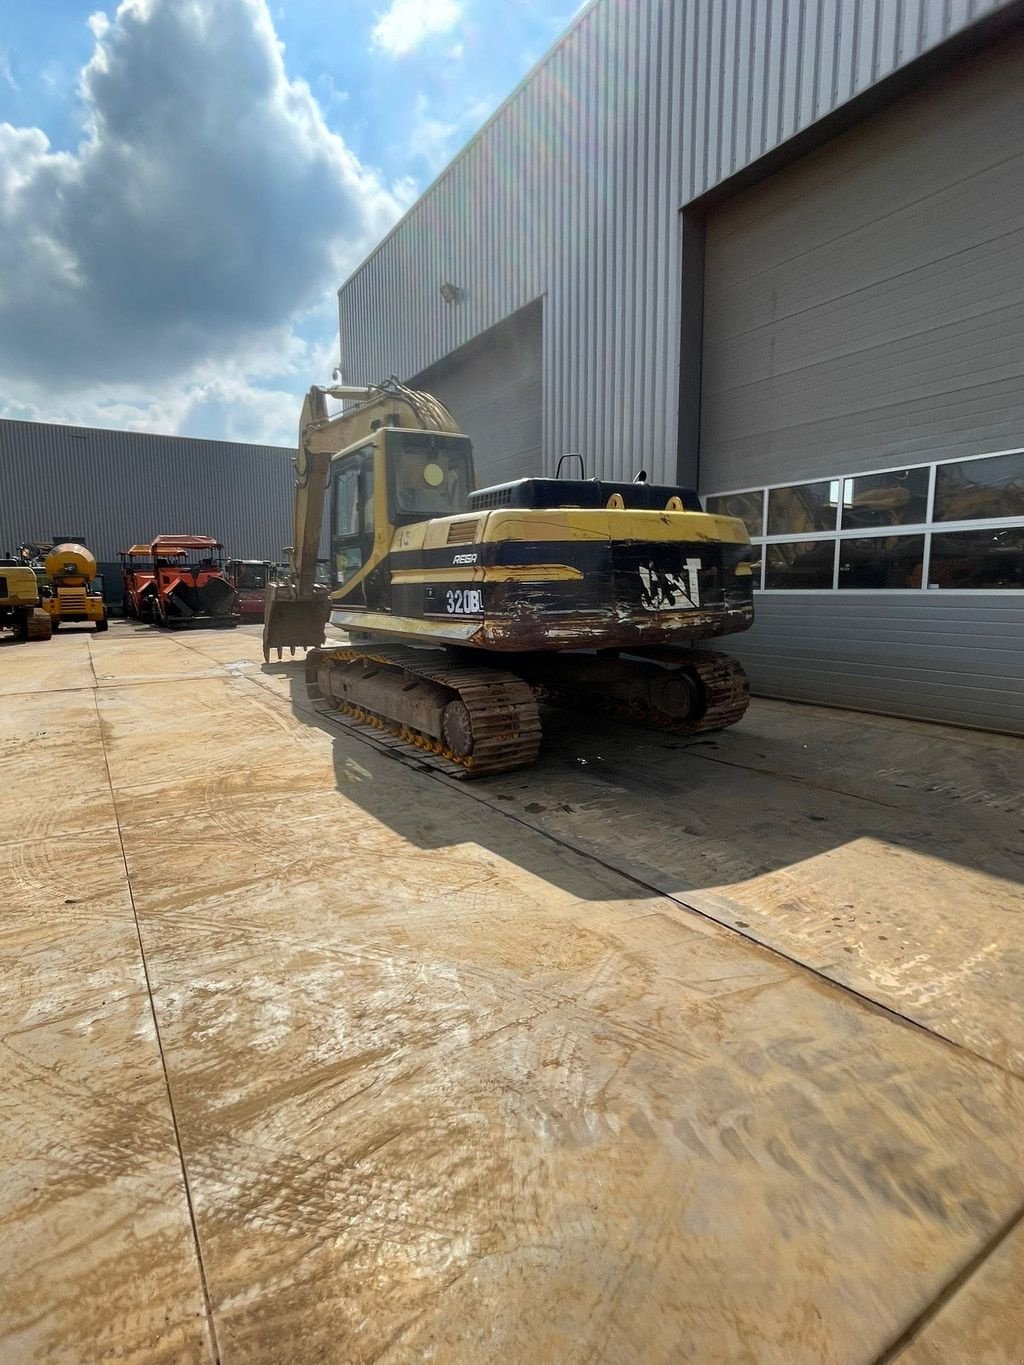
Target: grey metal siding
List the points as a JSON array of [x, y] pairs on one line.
[[952, 658], [119, 487], [865, 306], [494, 385], [573, 188]]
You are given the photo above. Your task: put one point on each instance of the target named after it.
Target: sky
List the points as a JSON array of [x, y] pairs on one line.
[[184, 184]]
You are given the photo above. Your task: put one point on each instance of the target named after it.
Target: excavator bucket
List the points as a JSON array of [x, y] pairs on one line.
[[292, 622]]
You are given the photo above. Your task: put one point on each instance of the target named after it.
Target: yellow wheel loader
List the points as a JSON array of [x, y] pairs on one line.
[[70, 569], [20, 602], [464, 607]]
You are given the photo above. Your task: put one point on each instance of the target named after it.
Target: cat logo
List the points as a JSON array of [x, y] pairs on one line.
[[661, 590]]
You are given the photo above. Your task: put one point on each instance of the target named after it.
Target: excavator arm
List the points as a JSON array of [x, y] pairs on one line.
[[298, 609]]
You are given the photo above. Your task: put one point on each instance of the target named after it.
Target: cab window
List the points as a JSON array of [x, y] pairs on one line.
[[352, 517], [429, 480]]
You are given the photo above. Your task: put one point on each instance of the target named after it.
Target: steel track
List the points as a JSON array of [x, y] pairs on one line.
[[500, 710]]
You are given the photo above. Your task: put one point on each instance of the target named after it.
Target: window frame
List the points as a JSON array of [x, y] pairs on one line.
[[358, 462], [926, 528]]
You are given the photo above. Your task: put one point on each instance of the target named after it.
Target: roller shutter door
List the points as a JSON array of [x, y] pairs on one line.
[[493, 388], [864, 307], [864, 310]]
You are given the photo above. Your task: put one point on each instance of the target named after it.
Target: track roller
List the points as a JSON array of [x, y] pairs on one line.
[[467, 721]]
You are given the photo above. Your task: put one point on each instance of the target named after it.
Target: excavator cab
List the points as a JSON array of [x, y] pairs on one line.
[[398, 478], [395, 477]]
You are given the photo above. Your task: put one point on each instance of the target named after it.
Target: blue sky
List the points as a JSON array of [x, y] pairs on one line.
[[185, 183]]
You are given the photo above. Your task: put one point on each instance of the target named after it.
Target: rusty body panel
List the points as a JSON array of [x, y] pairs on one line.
[[528, 628], [498, 1072], [567, 578]]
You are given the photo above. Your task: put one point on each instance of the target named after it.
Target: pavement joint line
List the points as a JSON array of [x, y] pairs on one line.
[[113, 686], [211, 1325], [948, 1292], [463, 788], [691, 751], [819, 975]]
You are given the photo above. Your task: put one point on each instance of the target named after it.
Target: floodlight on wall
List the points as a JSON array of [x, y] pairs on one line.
[[451, 293]]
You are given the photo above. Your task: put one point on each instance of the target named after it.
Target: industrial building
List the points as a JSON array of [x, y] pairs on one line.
[[116, 488], [773, 250]]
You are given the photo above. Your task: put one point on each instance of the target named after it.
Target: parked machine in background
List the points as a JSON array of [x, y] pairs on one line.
[[189, 582], [250, 578], [582, 592], [33, 553], [21, 608], [138, 582], [70, 570]]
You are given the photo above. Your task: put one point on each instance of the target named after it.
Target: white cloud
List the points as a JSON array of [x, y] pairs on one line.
[[6, 74], [253, 395], [329, 95], [435, 140], [405, 24], [208, 206], [431, 139]]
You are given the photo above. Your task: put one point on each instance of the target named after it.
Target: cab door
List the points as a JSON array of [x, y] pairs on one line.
[[352, 529]]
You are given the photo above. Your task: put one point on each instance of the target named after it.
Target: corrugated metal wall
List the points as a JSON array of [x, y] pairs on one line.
[[958, 660], [495, 386], [572, 191], [864, 307], [118, 487]]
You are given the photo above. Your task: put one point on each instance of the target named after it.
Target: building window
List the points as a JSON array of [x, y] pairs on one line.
[[969, 489], [978, 559], [803, 507], [748, 507], [897, 498], [881, 562], [800, 564], [948, 526]]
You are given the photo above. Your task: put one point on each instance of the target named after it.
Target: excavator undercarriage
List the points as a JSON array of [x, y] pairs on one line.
[[473, 716]]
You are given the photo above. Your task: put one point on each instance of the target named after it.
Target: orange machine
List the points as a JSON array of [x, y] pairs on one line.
[[139, 582], [189, 583]]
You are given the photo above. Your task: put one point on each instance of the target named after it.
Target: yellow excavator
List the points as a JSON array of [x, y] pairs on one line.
[[463, 607], [21, 606]]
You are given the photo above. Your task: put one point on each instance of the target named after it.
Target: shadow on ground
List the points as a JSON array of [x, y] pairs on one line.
[[788, 785]]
